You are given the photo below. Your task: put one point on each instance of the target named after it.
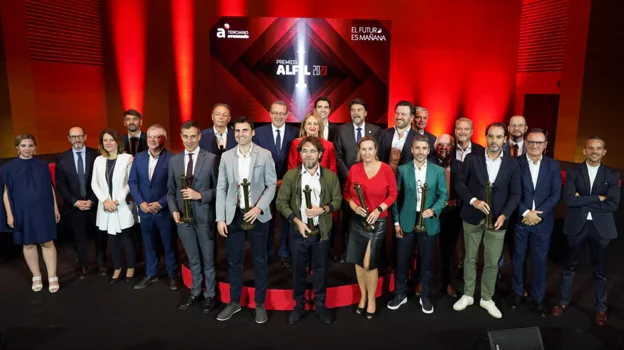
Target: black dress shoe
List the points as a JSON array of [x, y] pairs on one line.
[[102, 271], [147, 280], [516, 301], [323, 314], [296, 315], [285, 262], [189, 302], [174, 283], [208, 305], [82, 273], [540, 308]]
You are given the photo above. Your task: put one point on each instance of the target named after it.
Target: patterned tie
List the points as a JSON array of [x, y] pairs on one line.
[[359, 135], [81, 176], [278, 142], [514, 150], [189, 169]]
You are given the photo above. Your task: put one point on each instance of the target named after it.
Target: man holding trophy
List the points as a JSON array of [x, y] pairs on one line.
[[489, 187], [307, 198], [245, 189], [422, 196]]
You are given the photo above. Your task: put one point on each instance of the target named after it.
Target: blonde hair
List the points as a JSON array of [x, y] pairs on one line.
[[364, 139], [302, 132]]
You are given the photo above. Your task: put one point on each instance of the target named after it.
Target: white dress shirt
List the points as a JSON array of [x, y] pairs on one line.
[[493, 166], [461, 154], [314, 181], [221, 138], [326, 131], [153, 161], [398, 141], [83, 154], [534, 169], [592, 171], [186, 159], [281, 134], [355, 131], [244, 170], [520, 145]]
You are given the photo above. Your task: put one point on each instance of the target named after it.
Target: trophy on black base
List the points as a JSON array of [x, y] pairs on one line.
[[187, 212], [368, 227], [246, 224], [420, 225], [488, 200], [314, 231]]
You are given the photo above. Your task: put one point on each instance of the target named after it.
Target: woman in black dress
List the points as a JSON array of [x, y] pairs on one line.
[[31, 209]]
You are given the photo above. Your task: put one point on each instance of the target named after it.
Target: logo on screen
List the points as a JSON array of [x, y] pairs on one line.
[[227, 33]]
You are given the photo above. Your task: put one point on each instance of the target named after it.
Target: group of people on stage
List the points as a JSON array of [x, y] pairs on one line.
[[236, 181]]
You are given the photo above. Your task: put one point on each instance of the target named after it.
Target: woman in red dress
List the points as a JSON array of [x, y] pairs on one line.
[[379, 190], [313, 126]]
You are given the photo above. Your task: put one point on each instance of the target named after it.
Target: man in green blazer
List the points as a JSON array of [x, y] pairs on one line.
[[411, 179]]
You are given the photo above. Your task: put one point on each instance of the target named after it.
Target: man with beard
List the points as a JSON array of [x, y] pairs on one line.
[[74, 169], [322, 108], [502, 172], [516, 146], [463, 135], [253, 163], [392, 141], [135, 141], [592, 195], [219, 138], [420, 123], [326, 198]]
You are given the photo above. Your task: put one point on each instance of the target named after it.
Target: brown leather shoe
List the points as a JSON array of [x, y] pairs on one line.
[[601, 318], [451, 291], [558, 310]]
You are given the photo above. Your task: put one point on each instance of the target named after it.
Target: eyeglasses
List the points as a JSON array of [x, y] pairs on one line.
[[75, 137], [311, 151], [536, 143], [280, 114]]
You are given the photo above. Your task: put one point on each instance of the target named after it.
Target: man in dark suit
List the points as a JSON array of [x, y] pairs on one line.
[[502, 172], [148, 186], [134, 141], [322, 108], [541, 191], [220, 137], [74, 169], [421, 119], [463, 136], [346, 145], [197, 234], [277, 137], [391, 142], [592, 195], [516, 146]]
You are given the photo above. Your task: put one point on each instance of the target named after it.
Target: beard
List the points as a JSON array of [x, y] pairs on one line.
[[310, 164]]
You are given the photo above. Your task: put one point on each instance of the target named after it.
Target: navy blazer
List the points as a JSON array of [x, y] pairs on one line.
[[66, 177], [384, 142], [546, 193], [476, 149], [209, 141], [140, 148], [470, 183], [606, 184], [264, 138], [142, 189]]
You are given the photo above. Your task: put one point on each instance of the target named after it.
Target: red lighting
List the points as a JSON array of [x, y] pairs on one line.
[[128, 33], [182, 18], [232, 7]]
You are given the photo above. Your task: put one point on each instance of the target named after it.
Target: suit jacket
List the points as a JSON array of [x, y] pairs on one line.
[[456, 166], [209, 141], [141, 147], [404, 208], [546, 193], [264, 138], [470, 183], [125, 216], [432, 139], [145, 190], [476, 149], [333, 131], [346, 147], [506, 148], [606, 184], [384, 142], [67, 177], [263, 182], [328, 160], [204, 182]]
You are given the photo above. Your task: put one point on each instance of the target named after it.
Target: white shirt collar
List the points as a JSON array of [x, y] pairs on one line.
[[355, 127], [225, 131], [316, 173], [238, 152], [591, 166], [195, 151], [281, 128], [538, 161]]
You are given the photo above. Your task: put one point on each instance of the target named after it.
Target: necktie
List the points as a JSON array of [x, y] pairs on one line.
[[81, 175], [514, 150], [133, 145], [189, 169], [359, 135], [278, 142]]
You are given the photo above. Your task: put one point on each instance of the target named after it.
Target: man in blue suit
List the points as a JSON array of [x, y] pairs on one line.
[[541, 191], [148, 186], [219, 138], [277, 137]]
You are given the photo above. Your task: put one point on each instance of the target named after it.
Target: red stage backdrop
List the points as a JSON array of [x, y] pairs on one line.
[[257, 60]]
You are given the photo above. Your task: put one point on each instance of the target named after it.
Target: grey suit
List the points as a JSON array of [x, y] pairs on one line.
[[346, 146], [197, 236]]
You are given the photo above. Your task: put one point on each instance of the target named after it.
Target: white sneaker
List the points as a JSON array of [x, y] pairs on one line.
[[463, 302], [491, 308]]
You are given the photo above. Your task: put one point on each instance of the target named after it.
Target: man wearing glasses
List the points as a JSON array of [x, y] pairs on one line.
[[277, 137], [516, 146], [74, 168]]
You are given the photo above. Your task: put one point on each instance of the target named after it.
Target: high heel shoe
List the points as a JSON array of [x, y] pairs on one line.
[[370, 316], [37, 285], [115, 280], [129, 278], [53, 288]]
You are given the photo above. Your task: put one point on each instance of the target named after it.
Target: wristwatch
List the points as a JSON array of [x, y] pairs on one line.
[[380, 209]]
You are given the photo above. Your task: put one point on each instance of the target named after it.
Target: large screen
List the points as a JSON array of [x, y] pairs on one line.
[[257, 60]]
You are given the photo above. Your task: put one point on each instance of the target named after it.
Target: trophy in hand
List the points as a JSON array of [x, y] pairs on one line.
[[488, 200], [187, 214], [314, 231], [420, 225], [368, 227], [246, 224]]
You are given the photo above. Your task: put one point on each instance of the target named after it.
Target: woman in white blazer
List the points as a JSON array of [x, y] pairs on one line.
[[116, 212]]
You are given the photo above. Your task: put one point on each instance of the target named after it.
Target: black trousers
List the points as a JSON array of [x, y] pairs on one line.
[[126, 238], [83, 227], [450, 226], [426, 250], [303, 252]]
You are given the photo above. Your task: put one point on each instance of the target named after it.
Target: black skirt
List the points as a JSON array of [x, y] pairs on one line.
[[359, 238]]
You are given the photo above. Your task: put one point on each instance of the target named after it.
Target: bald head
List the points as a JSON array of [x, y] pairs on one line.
[[517, 127], [77, 137], [444, 145]]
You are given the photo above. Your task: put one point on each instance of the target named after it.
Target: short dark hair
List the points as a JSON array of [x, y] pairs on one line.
[[404, 103], [189, 124], [591, 138], [496, 124], [323, 98], [536, 131], [315, 141], [22, 137], [116, 136], [421, 138], [242, 120], [132, 112], [357, 101]]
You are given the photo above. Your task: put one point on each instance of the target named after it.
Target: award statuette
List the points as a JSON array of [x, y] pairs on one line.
[[488, 200], [368, 227], [187, 213], [247, 225], [314, 231], [420, 226]]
